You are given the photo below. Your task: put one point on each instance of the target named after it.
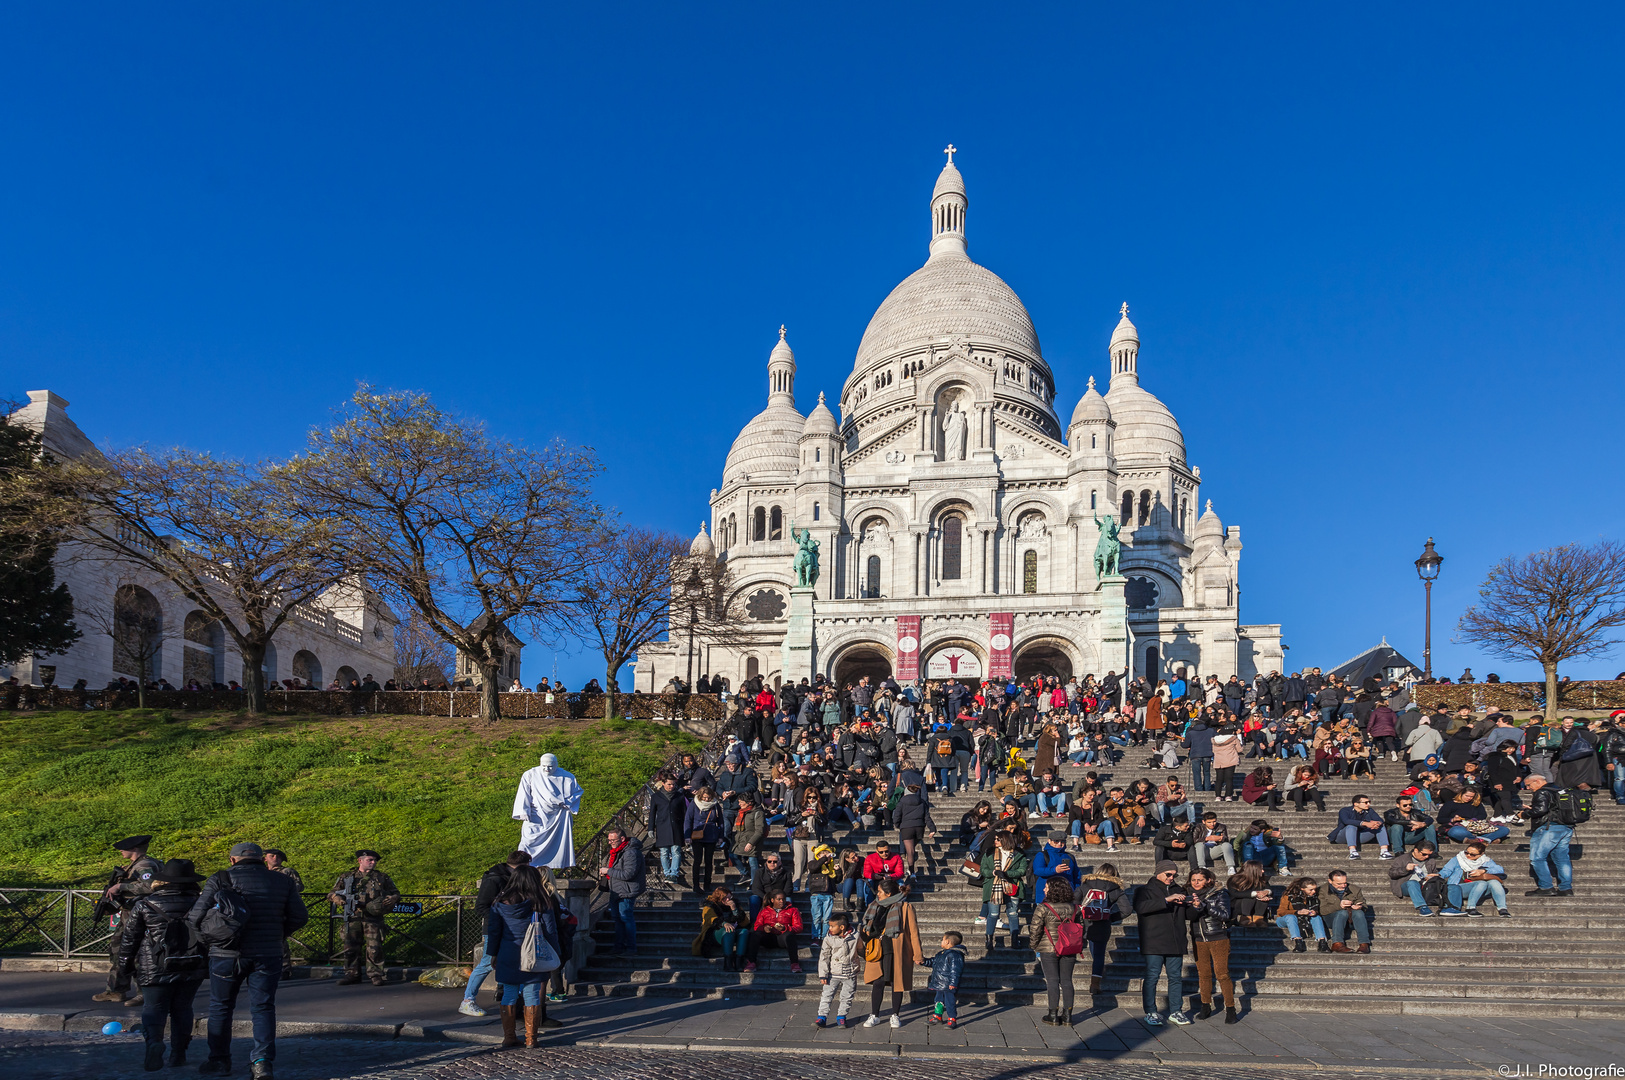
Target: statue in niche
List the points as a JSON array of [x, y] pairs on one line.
[[806, 564], [1108, 549], [955, 426], [875, 533], [1031, 528]]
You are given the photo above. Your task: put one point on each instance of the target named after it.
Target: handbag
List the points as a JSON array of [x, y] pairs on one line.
[[535, 954], [972, 869], [1091, 838]]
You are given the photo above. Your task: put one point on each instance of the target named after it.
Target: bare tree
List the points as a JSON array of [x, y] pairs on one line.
[[475, 533], [1554, 606], [223, 532], [132, 617], [421, 653]]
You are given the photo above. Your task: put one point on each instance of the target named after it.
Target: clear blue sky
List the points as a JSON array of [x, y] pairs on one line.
[[1376, 255]]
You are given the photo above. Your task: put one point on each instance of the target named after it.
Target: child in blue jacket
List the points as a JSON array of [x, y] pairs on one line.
[[946, 967]]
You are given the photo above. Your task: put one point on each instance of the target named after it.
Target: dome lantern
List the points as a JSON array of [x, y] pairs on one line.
[[948, 204], [1125, 350], [781, 373]]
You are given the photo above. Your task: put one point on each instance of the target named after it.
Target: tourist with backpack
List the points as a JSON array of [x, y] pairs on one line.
[[156, 946], [1552, 814], [1209, 906], [1058, 940], [1100, 898], [242, 915]]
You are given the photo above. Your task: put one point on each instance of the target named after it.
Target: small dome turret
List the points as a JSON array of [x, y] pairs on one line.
[[702, 546], [821, 421], [1092, 408]]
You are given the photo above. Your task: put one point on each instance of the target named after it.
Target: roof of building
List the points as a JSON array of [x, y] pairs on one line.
[[1376, 660]]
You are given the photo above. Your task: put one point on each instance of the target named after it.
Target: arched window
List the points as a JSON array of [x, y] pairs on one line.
[[1184, 508], [775, 527], [1029, 572], [760, 530], [307, 669], [1145, 508], [1128, 507], [871, 584], [951, 542], [753, 667], [1091, 440], [815, 511], [1092, 497], [818, 454], [138, 633]]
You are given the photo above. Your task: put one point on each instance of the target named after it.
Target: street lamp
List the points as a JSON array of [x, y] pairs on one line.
[[1427, 568]]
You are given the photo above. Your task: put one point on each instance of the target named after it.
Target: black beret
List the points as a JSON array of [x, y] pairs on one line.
[[133, 843], [368, 851]]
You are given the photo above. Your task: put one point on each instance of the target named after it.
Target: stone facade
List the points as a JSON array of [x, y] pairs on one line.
[[340, 636], [950, 489]]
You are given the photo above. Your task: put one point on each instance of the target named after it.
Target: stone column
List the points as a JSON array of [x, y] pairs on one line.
[[798, 660], [1114, 635]]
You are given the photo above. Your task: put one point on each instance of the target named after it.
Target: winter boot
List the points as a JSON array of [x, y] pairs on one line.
[[509, 1016], [530, 1024], [1230, 1016]]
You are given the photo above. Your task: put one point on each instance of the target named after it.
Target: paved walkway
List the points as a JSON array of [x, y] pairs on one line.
[[410, 1025]]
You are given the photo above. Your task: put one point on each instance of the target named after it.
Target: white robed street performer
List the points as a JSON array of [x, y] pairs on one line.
[[547, 801]]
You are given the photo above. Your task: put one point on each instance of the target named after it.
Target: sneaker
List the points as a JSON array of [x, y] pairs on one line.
[[1034, 817], [1153, 1020], [795, 969], [750, 965], [1451, 913], [980, 920], [558, 999], [933, 1020], [1540, 892], [872, 1021], [819, 1022], [840, 1021], [468, 1008], [1354, 856], [1474, 913], [1425, 913], [1564, 892], [1386, 854], [1178, 1018], [951, 1022], [896, 1021], [1504, 913]]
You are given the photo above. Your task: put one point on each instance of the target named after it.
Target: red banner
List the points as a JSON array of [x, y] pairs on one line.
[[908, 648], [1000, 637]]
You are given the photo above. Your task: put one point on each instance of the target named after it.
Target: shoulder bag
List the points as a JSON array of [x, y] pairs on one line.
[[535, 954]]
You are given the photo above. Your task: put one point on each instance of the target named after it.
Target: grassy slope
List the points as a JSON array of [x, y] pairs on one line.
[[433, 795]]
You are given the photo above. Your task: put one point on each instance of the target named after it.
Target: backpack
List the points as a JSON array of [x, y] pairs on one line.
[[1095, 908], [1067, 937], [1573, 807], [172, 949], [945, 747], [222, 925]]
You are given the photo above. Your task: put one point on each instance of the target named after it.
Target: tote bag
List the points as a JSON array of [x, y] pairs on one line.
[[535, 954]]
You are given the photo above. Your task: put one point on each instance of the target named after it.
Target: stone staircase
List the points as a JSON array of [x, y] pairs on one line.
[[1557, 955]]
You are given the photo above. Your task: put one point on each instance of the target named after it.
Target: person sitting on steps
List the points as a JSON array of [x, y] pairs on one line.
[[1344, 904], [1300, 902]]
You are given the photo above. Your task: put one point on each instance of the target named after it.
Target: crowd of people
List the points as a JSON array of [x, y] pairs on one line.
[[873, 756]]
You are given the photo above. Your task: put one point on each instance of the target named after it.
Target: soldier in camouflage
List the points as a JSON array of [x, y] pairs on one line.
[[128, 884], [367, 895], [276, 860]]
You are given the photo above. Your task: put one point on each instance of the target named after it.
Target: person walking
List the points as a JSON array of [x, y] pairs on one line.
[[1549, 839], [1004, 886], [156, 946], [276, 860], [1226, 757], [1160, 905], [519, 904], [703, 825], [129, 884], [891, 938], [1210, 940], [1199, 741], [1052, 914], [251, 958], [668, 806], [624, 872]]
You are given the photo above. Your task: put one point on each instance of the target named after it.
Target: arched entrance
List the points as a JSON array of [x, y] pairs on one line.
[[345, 676], [1043, 658], [860, 660], [952, 660]]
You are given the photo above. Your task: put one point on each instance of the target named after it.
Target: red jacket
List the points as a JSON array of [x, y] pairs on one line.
[[771, 917], [876, 867]]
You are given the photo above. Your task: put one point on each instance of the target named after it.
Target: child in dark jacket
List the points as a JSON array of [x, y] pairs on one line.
[[946, 967]]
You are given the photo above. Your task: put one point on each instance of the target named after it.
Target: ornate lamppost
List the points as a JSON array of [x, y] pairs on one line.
[[1427, 568]]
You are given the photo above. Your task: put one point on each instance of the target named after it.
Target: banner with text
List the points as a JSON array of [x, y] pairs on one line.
[[1001, 632], [908, 648]]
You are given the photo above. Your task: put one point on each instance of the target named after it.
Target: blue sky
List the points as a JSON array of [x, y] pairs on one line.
[[1376, 255]]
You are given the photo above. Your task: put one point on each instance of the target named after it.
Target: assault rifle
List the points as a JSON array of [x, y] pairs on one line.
[[349, 897], [106, 905]]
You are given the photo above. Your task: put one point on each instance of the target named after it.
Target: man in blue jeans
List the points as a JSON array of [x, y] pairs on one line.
[[1548, 840], [252, 958], [624, 871], [1160, 905]]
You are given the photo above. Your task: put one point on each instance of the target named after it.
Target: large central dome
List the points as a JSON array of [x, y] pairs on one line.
[[948, 296]]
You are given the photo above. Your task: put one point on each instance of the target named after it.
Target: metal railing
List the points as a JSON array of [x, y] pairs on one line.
[[421, 930]]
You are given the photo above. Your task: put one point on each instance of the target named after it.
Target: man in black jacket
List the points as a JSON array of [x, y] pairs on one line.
[[275, 910], [667, 808], [1160, 905], [1548, 840], [772, 875]]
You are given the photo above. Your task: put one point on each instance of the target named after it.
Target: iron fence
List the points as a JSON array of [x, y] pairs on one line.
[[420, 931]]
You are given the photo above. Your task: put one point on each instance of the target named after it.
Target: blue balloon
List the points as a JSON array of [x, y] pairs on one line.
[[112, 1027]]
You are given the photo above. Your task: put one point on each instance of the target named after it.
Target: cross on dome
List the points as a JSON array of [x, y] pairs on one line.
[[1124, 309], [951, 151], [781, 328]]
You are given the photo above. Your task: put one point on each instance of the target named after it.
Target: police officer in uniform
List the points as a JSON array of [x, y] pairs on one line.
[[129, 884], [367, 895], [276, 860]]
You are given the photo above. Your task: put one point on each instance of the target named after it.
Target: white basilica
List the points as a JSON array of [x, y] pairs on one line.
[[956, 513]]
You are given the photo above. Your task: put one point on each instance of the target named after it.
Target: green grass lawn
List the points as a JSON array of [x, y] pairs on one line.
[[433, 795]]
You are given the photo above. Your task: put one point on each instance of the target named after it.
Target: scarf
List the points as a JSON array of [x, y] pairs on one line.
[[1469, 865], [615, 853], [705, 806]]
